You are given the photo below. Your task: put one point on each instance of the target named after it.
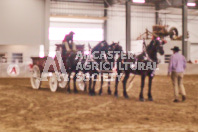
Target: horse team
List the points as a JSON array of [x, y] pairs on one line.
[[137, 65]]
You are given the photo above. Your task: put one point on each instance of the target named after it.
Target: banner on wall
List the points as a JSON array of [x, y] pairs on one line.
[[13, 70]]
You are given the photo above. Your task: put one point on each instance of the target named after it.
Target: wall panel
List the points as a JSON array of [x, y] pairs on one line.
[[22, 21]]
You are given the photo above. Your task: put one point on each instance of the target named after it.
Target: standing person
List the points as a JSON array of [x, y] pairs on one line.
[[68, 41], [177, 66]]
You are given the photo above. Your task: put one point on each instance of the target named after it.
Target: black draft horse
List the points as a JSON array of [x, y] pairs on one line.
[[113, 50], [94, 63], [148, 56], [108, 58], [70, 62]]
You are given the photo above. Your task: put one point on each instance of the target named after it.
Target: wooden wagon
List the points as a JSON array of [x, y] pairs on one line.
[[55, 80]]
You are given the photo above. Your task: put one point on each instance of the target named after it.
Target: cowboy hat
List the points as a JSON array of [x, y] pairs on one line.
[[175, 48], [71, 32]]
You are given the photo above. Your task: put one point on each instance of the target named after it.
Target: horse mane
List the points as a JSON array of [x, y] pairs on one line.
[[98, 46], [118, 47]]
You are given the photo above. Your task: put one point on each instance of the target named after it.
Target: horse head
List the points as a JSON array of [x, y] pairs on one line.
[[154, 47], [115, 47], [159, 47], [101, 46]]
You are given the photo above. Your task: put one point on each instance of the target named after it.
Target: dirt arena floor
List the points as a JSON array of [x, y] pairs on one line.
[[23, 109]]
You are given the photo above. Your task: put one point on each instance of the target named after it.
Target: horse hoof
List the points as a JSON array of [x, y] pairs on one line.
[[100, 92], [85, 90], [92, 93], [126, 96], [109, 92], [75, 91], [150, 99], [68, 90], [142, 99], [116, 96]]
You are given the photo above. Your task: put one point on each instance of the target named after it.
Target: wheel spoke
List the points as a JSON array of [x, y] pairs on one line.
[[81, 82], [53, 83], [35, 78]]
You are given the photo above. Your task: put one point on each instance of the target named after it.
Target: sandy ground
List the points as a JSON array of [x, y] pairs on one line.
[[23, 109]]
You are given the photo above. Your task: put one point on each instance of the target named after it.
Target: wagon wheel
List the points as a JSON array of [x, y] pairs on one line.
[[35, 78], [81, 83], [173, 32], [63, 80], [53, 82]]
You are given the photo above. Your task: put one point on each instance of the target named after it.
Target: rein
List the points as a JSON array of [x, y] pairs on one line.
[[146, 53]]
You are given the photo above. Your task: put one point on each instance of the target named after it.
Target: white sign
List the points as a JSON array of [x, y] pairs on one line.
[[13, 70]]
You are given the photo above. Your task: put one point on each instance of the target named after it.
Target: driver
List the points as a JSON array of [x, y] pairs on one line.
[[68, 41]]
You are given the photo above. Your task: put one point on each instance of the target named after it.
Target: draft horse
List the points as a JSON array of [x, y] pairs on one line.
[[94, 64], [70, 62], [147, 57], [115, 49]]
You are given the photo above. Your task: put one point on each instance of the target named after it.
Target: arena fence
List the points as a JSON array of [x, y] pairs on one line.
[[24, 70]]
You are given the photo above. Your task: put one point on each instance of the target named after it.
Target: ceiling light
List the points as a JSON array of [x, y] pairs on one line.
[[139, 1], [191, 4]]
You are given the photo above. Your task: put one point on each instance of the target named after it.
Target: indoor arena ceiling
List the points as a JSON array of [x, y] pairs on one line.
[[161, 3]]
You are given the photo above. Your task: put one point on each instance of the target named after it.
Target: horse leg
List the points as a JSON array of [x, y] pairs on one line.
[[94, 84], [150, 98], [68, 84], [90, 81], [109, 88], [141, 98], [74, 81], [100, 92], [124, 85], [85, 89], [116, 84]]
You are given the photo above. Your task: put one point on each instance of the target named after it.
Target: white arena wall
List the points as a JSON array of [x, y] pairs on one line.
[[27, 51], [24, 27], [192, 69], [142, 17], [24, 22]]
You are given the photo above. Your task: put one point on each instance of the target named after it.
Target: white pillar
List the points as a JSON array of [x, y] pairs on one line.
[[46, 28]]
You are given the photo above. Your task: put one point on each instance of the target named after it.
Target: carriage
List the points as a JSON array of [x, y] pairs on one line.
[[55, 80]]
